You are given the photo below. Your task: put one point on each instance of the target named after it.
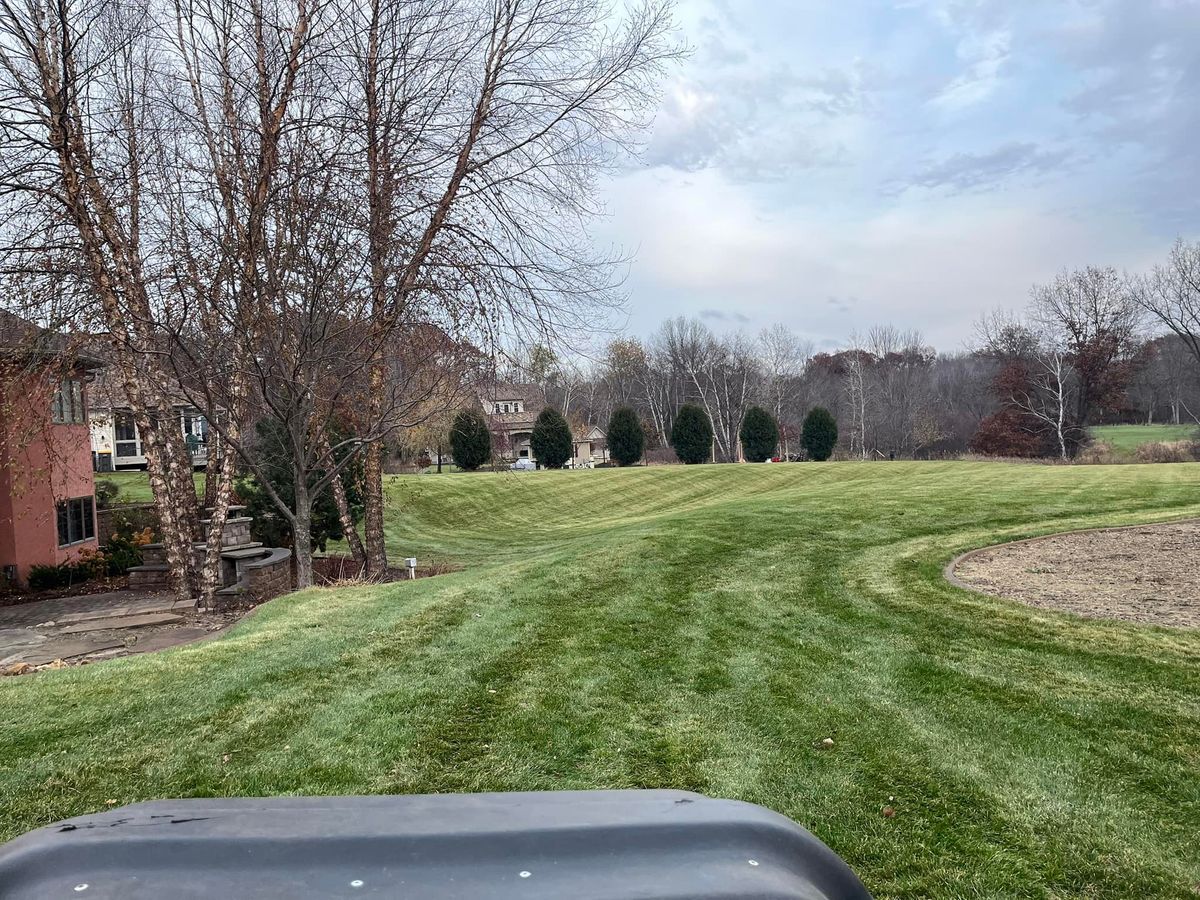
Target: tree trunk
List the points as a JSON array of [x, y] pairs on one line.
[[218, 514], [211, 455], [345, 519], [376, 553], [302, 533]]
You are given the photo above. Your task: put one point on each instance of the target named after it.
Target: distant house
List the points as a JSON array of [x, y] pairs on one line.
[[47, 495], [589, 448], [512, 410], [116, 441]]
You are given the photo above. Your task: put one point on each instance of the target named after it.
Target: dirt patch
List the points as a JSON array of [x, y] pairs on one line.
[[1144, 573]]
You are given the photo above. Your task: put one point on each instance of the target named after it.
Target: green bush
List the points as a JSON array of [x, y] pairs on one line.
[[106, 493], [551, 439], [121, 555], [470, 440], [626, 439], [47, 578], [692, 435], [760, 435], [819, 434], [86, 568]]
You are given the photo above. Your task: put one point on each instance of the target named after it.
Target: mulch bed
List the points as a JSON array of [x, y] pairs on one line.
[[1145, 573], [336, 568]]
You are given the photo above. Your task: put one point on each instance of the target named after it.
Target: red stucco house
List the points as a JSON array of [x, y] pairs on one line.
[[47, 495]]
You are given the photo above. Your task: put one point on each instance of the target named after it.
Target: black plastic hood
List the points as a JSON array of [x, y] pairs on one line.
[[585, 845]]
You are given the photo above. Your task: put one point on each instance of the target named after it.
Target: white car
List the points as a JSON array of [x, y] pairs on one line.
[[523, 465]]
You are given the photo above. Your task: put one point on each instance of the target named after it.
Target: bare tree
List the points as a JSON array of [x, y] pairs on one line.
[[1037, 377], [75, 76], [268, 200], [782, 356], [858, 361], [1093, 316], [1171, 294]]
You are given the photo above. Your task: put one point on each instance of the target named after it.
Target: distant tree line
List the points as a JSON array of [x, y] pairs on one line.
[[1093, 346]]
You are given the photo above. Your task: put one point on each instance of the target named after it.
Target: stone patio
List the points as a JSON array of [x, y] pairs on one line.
[[68, 631]]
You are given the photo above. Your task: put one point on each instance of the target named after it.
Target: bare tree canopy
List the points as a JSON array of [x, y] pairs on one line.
[[1171, 294], [310, 211]]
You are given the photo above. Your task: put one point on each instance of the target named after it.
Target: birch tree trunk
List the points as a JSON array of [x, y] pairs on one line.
[[345, 519]]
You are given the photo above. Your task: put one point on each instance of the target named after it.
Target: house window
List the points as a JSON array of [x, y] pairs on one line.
[[76, 521], [496, 408], [126, 433], [67, 406]]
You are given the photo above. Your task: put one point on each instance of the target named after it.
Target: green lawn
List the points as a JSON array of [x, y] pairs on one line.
[[702, 628], [135, 486], [1127, 438]]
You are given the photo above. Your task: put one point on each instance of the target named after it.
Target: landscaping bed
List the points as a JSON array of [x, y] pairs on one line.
[[1147, 573], [337, 568]]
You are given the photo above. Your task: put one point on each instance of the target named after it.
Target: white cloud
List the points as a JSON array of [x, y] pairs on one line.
[[778, 182], [935, 266], [985, 58]]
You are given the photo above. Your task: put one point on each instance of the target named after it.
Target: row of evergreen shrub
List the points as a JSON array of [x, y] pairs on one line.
[[692, 434], [691, 437]]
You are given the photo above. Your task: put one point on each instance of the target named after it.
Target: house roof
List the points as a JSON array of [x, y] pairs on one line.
[[532, 400], [21, 338], [592, 433], [108, 393]]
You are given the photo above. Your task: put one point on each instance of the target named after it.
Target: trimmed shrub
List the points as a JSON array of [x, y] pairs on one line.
[[551, 439], [89, 566], [626, 439], [819, 434], [470, 440], [692, 435], [759, 434], [46, 578]]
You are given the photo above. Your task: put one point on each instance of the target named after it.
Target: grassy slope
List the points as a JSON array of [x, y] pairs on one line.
[[1127, 438], [696, 628]]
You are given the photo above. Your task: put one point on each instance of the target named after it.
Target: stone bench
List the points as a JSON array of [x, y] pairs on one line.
[[264, 578]]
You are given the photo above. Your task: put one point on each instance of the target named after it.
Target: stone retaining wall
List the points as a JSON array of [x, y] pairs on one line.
[[270, 578]]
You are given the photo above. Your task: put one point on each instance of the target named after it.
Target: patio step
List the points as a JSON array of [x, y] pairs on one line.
[[163, 618], [245, 551]]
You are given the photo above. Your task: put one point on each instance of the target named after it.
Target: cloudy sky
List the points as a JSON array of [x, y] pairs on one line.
[[833, 164]]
